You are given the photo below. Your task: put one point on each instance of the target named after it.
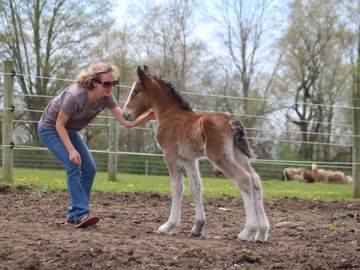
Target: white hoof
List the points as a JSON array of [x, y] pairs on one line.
[[262, 236], [166, 229], [247, 234]]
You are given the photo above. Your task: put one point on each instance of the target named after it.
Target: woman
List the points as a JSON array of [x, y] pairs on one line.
[[60, 123]]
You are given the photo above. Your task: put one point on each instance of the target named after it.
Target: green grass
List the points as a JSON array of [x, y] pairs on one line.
[[56, 180]]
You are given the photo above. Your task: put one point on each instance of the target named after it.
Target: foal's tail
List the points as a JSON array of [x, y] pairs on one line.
[[240, 139]]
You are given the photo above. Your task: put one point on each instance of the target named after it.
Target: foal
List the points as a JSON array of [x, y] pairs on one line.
[[186, 136]]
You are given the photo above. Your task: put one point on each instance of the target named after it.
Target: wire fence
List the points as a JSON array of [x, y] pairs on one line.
[[27, 155]]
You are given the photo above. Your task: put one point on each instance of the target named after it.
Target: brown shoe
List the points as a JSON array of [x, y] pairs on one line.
[[87, 221]]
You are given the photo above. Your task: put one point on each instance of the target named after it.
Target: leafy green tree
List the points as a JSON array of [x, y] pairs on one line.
[[119, 47], [167, 40], [49, 39], [241, 29], [313, 73]]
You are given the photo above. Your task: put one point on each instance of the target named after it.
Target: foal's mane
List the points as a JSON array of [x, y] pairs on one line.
[[184, 104]]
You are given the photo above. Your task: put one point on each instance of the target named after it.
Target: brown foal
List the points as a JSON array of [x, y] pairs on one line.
[[185, 137]]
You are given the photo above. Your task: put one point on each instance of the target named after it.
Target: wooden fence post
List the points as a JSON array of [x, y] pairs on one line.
[[7, 123], [356, 126], [113, 142], [356, 148]]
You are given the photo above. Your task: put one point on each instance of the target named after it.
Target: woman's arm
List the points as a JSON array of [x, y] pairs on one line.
[[61, 120], [145, 117]]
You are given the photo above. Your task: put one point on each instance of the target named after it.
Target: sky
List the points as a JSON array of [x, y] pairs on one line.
[[121, 5], [202, 28]]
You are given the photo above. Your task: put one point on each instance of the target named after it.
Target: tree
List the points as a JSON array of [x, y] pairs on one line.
[[49, 39], [245, 31], [117, 47], [313, 70], [352, 10], [240, 28], [167, 41]]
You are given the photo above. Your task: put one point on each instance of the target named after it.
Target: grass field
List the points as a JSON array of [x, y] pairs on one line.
[[213, 187]]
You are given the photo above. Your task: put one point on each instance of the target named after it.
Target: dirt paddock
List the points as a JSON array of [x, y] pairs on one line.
[[304, 234]]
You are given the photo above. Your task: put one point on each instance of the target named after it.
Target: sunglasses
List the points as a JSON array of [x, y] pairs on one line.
[[108, 84]]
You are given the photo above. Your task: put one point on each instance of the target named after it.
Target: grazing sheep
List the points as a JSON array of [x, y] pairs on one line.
[[320, 175], [329, 176], [298, 174], [349, 179], [292, 174], [308, 176], [336, 177], [299, 177]]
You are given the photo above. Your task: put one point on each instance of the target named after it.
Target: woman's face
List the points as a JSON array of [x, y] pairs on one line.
[[106, 83]]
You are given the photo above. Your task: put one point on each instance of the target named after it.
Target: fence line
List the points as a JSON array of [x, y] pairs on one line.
[[267, 100], [243, 115], [206, 111], [234, 114], [187, 92], [8, 110], [150, 164], [249, 137], [267, 161], [255, 129]]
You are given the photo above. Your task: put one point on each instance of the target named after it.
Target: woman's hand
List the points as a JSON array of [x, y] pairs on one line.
[[151, 116], [74, 157], [145, 117], [128, 124], [61, 120]]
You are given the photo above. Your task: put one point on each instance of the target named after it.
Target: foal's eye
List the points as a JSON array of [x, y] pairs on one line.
[[136, 93]]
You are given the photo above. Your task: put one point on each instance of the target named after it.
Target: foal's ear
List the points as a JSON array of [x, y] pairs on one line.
[[147, 70], [142, 76]]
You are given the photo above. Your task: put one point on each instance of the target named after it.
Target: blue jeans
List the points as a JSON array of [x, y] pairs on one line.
[[79, 178]]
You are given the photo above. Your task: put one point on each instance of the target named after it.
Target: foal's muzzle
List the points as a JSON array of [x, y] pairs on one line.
[[128, 116]]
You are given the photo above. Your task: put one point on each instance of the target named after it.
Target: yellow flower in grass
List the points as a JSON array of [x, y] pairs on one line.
[[59, 182], [19, 180], [314, 198]]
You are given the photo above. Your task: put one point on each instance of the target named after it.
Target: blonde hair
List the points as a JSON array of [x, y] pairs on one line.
[[86, 77]]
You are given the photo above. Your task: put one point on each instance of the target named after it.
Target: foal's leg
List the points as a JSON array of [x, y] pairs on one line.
[[192, 168], [177, 193], [227, 164], [264, 226]]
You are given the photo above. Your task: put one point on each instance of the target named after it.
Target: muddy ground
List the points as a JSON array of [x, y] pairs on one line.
[[318, 235]]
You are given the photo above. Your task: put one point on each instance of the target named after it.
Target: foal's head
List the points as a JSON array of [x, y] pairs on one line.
[[147, 88], [138, 100]]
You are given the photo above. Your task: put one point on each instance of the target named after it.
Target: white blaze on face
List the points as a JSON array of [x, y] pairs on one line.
[[125, 109]]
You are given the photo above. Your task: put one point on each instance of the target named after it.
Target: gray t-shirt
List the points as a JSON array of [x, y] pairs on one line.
[[74, 101]]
